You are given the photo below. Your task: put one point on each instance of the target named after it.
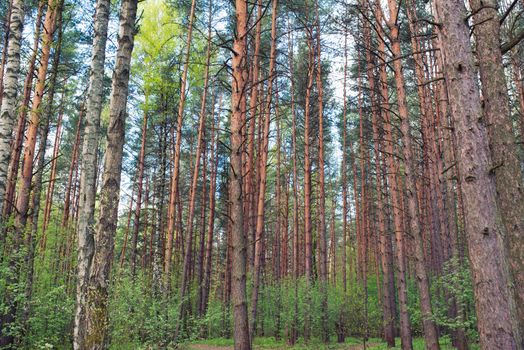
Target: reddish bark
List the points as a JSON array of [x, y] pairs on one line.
[[238, 243], [52, 175], [16, 147], [176, 155]]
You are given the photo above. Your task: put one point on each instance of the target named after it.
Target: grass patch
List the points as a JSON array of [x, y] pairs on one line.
[[215, 342], [263, 343], [419, 344]]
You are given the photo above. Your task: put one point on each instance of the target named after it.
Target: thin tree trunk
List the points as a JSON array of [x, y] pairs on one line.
[[176, 155], [344, 167], [22, 203], [201, 246], [263, 154], [430, 329], [194, 182], [52, 175], [141, 158], [211, 218], [396, 203], [158, 233], [362, 236], [71, 180], [307, 184], [37, 182], [253, 109], [296, 242], [321, 178], [146, 227], [128, 225], [384, 237]]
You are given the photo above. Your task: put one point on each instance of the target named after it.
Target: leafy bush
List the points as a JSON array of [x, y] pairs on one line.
[[455, 286]]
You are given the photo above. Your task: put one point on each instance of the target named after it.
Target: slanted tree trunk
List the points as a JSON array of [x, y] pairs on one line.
[[96, 303], [22, 203], [484, 227], [238, 241], [16, 147], [30, 239], [52, 175], [10, 90], [88, 172]]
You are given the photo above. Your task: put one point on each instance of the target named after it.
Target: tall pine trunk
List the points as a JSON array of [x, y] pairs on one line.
[[484, 227], [176, 156], [322, 237], [396, 203], [140, 181], [184, 285], [238, 240], [263, 154], [16, 147], [430, 329], [504, 156], [211, 218]]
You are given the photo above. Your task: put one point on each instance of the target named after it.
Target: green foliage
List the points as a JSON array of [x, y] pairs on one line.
[[454, 290], [138, 318], [418, 344], [415, 315], [51, 314]]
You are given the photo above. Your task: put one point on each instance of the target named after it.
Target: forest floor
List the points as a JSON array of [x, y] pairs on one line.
[[341, 347], [270, 343]]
